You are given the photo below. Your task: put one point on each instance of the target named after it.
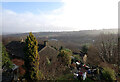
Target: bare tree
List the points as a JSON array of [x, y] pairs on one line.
[[106, 45], [93, 56]]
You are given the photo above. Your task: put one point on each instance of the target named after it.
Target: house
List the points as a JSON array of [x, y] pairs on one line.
[[48, 52], [48, 59], [15, 49], [48, 64]]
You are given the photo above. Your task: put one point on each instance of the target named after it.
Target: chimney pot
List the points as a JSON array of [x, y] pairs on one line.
[[45, 43]]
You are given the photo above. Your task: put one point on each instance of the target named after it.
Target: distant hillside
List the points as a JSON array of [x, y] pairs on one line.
[[71, 39], [49, 34]]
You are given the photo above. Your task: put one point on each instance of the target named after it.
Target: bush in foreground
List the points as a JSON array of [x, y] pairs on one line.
[[65, 57], [108, 74]]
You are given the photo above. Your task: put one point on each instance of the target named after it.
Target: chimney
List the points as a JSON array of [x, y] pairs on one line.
[[45, 43]]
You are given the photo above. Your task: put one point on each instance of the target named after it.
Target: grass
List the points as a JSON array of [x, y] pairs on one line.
[[71, 77], [66, 77]]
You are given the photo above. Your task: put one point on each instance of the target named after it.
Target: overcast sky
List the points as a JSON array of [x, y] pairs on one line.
[[67, 15]]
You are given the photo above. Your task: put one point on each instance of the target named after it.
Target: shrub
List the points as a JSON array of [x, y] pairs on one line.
[[77, 57], [84, 49], [6, 62], [108, 74], [65, 57], [66, 49]]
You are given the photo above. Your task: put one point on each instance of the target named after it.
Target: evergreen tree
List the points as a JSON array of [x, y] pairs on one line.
[[6, 62], [84, 49], [31, 58]]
